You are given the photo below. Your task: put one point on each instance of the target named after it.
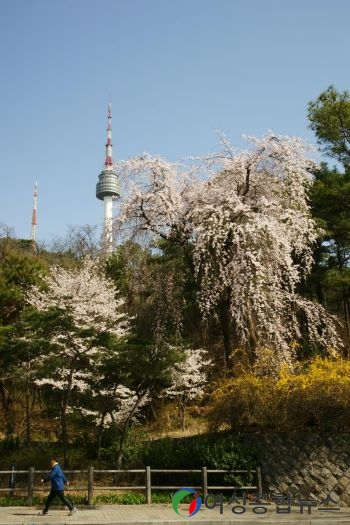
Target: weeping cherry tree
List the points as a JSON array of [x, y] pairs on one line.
[[247, 218]]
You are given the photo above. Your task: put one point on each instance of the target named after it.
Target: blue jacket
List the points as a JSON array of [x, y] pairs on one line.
[[57, 478]]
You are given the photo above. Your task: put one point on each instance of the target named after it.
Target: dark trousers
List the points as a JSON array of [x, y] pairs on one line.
[[57, 493]]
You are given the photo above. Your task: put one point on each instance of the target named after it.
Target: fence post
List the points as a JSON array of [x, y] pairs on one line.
[[205, 482], [148, 486], [30, 485], [259, 480], [12, 482], [90, 485]]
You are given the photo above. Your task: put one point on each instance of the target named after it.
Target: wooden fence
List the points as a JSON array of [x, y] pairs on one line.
[[88, 482]]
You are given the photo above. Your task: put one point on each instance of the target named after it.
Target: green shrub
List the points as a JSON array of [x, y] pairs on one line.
[[221, 451], [129, 498], [161, 497], [13, 501]]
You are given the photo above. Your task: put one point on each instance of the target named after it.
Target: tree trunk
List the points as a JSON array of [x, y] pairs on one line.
[[226, 329], [182, 406], [29, 408], [64, 431], [64, 425], [124, 433], [99, 438], [122, 442], [8, 408], [347, 321], [28, 420]]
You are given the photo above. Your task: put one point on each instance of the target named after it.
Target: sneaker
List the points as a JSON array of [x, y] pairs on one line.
[[73, 511], [43, 513]]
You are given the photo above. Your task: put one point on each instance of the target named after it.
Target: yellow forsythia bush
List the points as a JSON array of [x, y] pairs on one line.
[[317, 397]]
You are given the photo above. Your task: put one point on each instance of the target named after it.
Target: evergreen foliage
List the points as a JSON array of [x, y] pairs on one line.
[[329, 117]]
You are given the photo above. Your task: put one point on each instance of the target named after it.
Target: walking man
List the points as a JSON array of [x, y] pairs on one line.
[[58, 480]]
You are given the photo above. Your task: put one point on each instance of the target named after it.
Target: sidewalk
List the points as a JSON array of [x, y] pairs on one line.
[[165, 515]]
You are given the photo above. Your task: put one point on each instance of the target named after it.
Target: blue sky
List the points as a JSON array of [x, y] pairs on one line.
[[176, 71]]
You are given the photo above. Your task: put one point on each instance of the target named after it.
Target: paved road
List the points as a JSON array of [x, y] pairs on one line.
[[165, 515]]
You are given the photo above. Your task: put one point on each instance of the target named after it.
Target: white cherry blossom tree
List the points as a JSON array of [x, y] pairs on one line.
[[189, 378], [80, 314], [247, 217]]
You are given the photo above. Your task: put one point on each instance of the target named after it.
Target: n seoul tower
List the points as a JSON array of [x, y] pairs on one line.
[[107, 188], [34, 215]]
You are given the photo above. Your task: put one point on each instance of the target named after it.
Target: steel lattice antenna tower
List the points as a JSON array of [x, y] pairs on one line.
[[107, 188], [34, 214]]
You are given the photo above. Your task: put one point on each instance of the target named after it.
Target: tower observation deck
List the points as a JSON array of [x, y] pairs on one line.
[[107, 187]]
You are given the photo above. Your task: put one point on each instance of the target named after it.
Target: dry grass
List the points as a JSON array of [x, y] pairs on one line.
[[168, 423]]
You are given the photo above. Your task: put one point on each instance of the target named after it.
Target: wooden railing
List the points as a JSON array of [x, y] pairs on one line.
[[89, 482]]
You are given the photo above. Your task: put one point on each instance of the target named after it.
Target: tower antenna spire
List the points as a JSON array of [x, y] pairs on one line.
[[109, 146], [34, 213]]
